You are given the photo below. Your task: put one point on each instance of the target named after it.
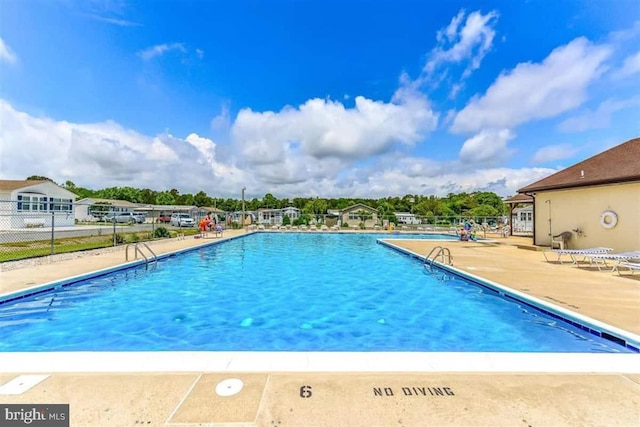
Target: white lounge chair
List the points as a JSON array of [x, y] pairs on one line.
[[573, 253], [632, 266], [600, 260]]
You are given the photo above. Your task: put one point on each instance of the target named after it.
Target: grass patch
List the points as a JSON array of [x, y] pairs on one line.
[[42, 250], [23, 250]]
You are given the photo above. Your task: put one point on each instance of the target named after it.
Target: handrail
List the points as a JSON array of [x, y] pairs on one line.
[[440, 251], [137, 250]]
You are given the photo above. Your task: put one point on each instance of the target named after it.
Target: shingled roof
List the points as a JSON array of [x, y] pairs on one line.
[[519, 198], [10, 185], [616, 165]]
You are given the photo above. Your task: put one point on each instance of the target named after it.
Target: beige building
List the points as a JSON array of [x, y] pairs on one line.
[[597, 201], [359, 213]]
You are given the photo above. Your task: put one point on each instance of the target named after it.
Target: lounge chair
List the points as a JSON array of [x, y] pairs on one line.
[[600, 260], [573, 253], [632, 266]]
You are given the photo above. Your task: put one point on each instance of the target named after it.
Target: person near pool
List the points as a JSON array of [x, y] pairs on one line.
[[205, 223]]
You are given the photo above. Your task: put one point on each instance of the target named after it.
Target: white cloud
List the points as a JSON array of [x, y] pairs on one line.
[[324, 128], [200, 53], [440, 179], [489, 147], [6, 54], [160, 49], [630, 66], [551, 153], [536, 91], [100, 155], [598, 119], [468, 42], [222, 121], [114, 21]]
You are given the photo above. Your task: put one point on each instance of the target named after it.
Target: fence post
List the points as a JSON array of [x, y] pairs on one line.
[[114, 230], [53, 220]]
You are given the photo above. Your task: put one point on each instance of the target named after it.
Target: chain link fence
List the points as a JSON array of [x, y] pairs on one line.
[[33, 228], [29, 229]]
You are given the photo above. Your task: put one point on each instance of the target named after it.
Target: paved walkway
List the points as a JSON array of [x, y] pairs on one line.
[[275, 398]]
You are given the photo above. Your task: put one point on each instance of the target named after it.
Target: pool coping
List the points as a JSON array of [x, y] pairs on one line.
[[356, 362], [619, 336]]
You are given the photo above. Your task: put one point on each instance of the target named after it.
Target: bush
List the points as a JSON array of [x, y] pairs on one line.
[[120, 238], [304, 219], [161, 232], [361, 225], [134, 238]]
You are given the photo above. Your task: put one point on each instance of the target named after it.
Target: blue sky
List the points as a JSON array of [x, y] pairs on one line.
[[308, 98]]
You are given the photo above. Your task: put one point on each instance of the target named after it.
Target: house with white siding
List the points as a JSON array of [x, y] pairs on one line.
[[276, 216], [407, 218], [31, 203]]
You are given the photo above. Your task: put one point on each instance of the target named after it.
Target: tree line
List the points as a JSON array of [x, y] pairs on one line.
[[475, 204]]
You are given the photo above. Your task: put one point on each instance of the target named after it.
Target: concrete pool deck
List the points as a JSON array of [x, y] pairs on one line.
[[523, 389]]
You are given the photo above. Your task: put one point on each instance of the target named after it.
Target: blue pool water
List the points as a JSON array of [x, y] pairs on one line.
[[285, 292]]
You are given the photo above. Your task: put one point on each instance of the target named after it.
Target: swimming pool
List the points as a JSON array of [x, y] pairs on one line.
[[285, 292]]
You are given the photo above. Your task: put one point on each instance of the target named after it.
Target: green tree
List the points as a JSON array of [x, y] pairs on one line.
[[460, 203], [148, 196], [39, 178], [483, 210], [129, 194], [201, 199], [165, 198], [490, 199], [385, 209], [317, 207], [268, 201]]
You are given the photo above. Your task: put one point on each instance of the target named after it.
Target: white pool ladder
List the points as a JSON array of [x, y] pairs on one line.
[[438, 253], [137, 250]]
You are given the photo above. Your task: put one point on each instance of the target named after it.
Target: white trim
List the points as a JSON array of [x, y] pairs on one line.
[[211, 361]]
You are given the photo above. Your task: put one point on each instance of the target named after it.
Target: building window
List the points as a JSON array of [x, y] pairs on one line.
[[38, 203], [62, 205], [32, 202]]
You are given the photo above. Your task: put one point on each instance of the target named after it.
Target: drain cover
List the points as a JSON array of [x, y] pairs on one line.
[[229, 387]]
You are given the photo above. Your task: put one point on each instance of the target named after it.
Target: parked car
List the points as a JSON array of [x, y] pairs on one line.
[[140, 217], [125, 217], [182, 220], [164, 218]]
